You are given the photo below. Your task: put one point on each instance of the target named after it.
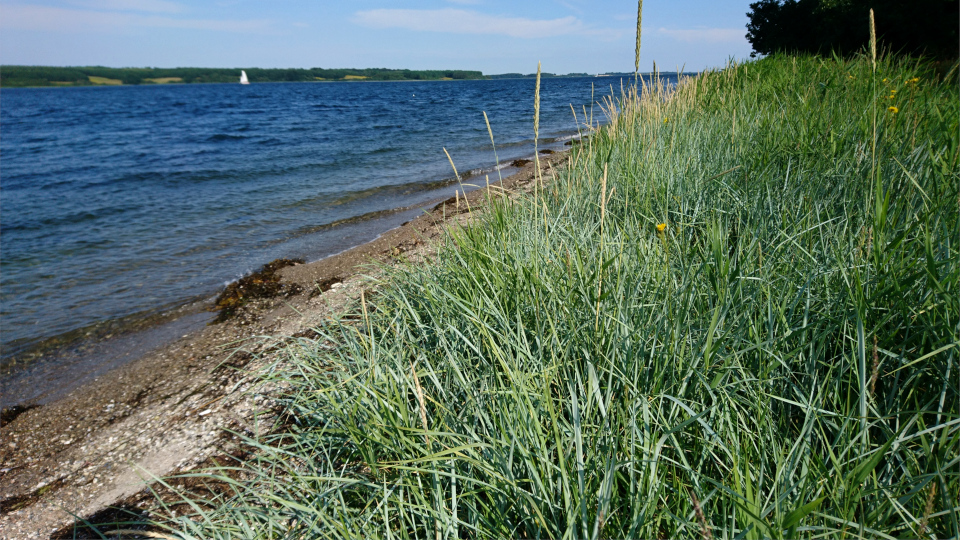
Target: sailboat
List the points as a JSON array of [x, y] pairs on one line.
[[243, 77]]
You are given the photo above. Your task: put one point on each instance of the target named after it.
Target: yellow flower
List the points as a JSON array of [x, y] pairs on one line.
[[661, 227], [665, 120], [914, 80], [893, 110], [884, 79]]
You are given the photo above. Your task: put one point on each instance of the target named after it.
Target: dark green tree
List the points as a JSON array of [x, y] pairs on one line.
[[916, 27]]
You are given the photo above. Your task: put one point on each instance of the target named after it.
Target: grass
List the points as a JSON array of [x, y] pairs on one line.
[[778, 360], [165, 80], [105, 80]]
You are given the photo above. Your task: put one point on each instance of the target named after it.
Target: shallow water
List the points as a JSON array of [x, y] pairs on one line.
[[130, 200]]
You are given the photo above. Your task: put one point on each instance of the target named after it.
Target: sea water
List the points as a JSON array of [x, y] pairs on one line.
[[126, 201]]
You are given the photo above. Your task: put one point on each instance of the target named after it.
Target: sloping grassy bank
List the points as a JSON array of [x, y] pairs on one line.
[[735, 314]]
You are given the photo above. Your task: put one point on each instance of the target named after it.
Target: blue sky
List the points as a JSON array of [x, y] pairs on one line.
[[494, 36]]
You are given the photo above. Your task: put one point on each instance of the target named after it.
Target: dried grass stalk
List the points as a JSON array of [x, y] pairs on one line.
[[636, 61]]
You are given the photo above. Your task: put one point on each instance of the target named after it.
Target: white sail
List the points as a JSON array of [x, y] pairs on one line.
[[243, 77]]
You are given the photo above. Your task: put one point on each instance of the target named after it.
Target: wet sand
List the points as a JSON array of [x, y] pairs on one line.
[[181, 404]]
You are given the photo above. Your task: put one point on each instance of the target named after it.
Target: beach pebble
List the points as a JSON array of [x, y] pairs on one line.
[[206, 412]]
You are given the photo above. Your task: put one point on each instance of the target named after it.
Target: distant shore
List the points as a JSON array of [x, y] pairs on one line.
[[12, 76]]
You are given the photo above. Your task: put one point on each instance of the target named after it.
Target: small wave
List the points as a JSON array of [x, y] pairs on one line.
[[383, 150], [73, 218], [403, 189], [225, 137], [562, 138], [368, 216]]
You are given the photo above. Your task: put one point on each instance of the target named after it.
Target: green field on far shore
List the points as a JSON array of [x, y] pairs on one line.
[[734, 314], [102, 80]]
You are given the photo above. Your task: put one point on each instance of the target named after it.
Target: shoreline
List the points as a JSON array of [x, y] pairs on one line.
[[165, 411], [26, 373]]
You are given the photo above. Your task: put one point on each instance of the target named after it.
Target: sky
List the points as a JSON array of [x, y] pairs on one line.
[[493, 36]]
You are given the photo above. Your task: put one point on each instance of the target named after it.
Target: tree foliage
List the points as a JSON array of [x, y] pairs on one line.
[[916, 27]]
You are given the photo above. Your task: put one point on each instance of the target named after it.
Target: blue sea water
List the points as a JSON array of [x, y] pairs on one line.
[[116, 201]]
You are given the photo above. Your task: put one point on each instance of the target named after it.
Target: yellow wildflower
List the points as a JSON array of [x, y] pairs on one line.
[[893, 110], [661, 227], [884, 79], [665, 120]]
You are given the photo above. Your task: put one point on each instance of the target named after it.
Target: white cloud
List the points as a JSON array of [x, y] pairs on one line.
[[460, 21], [706, 35], [148, 6], [571, 7], [43, 18]]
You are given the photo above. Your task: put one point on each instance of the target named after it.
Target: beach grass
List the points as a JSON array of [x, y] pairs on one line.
[[733, 314]]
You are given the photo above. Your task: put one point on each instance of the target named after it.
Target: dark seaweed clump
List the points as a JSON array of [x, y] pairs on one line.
[[10, 414], [264, 283]]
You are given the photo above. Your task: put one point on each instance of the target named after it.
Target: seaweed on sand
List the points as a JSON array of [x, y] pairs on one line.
[[264, 283]]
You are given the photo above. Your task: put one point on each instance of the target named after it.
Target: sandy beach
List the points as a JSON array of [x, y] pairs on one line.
[[187, 403]]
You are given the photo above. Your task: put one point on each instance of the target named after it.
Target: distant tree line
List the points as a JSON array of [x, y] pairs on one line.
[[12, 76], [534, 75], [915, 27]]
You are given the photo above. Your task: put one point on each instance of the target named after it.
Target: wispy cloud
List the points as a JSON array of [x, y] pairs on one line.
[[460, 21], [571, 7], [706, 35], [145, 6], [45, 18]]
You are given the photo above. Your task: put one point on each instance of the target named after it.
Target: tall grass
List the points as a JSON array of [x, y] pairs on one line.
[[778, 360]]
